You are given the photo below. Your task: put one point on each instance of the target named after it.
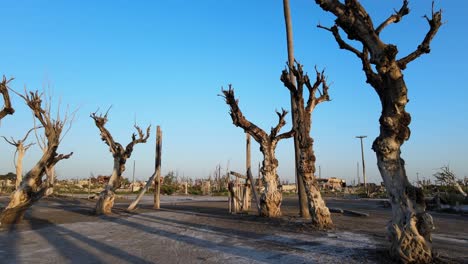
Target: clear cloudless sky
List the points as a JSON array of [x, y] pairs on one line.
[[164, 63]]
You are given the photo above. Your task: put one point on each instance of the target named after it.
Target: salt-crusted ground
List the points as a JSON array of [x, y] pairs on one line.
[[201, 231]]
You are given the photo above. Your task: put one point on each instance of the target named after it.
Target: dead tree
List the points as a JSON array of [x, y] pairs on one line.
[[411, 226], [270, 200], [447, 177], [302, 119], [32, 188], [50, 169], [7, 108], [120, 154], [21, 149]]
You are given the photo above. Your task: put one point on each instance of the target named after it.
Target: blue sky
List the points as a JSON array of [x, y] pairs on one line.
[[164, 62]]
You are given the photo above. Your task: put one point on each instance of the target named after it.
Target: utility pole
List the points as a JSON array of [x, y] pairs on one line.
[[357, 173], [363, 164], [157, 169], [303, 206]]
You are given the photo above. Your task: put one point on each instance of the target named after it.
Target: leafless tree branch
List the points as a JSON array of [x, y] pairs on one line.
[[238, 118], [342, 44], [7, 108], [435, 22], [281, 122], [395, 18]]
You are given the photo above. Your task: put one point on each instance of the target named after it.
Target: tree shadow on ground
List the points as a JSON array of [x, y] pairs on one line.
[[214, 246], [9, 245], [56, 235]]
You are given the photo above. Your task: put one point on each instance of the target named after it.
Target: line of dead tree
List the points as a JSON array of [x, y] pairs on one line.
[[411, 225]]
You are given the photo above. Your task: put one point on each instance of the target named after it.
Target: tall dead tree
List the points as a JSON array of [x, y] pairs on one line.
[[32, 188], [411, 226], [319, 212], [7, 108], [120, 154], [270, 200], [21, 149]]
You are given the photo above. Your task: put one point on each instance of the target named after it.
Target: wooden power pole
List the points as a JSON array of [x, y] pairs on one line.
[[157, 182], [303, 206]]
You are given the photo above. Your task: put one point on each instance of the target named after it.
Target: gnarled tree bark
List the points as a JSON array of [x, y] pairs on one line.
[[20, 151], [32, 188], [7, 108], [270, 201], [106, 197], [294, 80], [410, 227]]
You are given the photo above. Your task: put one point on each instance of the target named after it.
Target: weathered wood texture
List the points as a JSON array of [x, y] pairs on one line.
[[319, 213], [7, 108], [271, 199], [157, 171], [120, 154], [411, 226], [32, 187], [157, 182]]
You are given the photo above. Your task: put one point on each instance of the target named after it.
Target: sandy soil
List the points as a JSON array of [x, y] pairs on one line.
[[200, 230]]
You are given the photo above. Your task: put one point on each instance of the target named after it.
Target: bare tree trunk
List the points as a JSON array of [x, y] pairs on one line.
[[459, 188], [50, 174], [31, 188], [319, 213], [106, 197], [20, 151], [19, 166], [270, 200], [411, 226]]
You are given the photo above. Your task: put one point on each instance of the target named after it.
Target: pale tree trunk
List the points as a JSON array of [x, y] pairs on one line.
[[411, 226], [19, 165], [50, 174], [25, 195], [459, 188], [32, 188], [20, 151], [106, 197], [270, 200]]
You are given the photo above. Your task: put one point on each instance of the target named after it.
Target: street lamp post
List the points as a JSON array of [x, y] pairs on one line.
[[363, 164]]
